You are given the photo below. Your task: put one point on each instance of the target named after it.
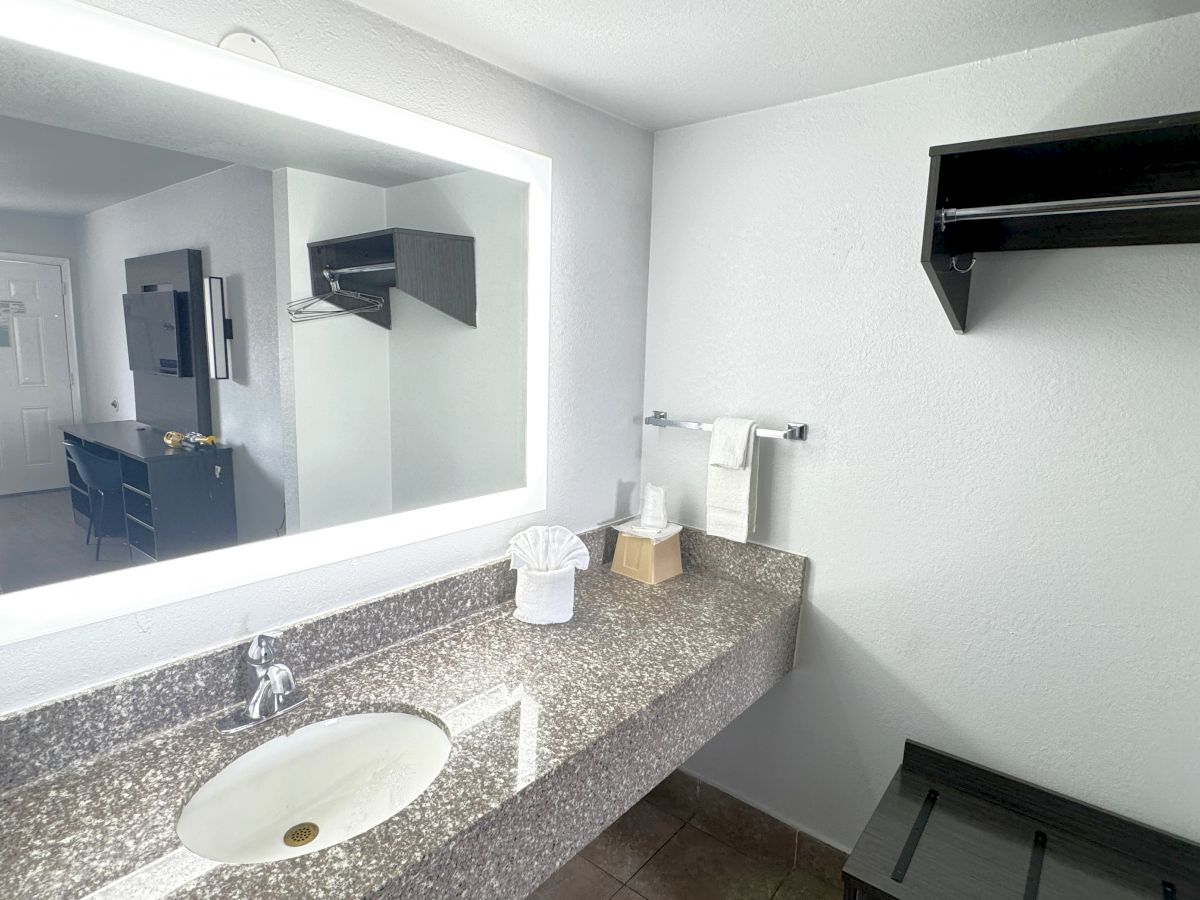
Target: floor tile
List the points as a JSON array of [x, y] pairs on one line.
[[676, 794], [41, 544], [819, 858], [625, 845], [696, 866], [743, 827], [802, 884], [626, 894], [577, 880]]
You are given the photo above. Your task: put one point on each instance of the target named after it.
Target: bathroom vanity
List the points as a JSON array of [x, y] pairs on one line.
[[555, 731]]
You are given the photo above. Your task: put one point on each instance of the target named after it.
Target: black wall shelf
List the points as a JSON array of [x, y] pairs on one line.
[[437, 269], [1156, 161]]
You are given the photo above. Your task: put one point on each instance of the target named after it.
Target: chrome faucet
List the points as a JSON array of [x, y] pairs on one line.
[[273, 690]]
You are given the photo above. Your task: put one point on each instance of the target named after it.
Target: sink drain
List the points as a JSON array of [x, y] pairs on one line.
[[299, 835]]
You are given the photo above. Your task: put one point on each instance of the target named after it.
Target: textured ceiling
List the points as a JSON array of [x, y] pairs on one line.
[[663, 63], [58, 172]]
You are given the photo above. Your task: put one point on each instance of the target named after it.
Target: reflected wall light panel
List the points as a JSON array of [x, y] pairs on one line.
[[219, 328]]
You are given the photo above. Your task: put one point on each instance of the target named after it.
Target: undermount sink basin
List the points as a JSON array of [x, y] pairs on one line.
[[318, 786]]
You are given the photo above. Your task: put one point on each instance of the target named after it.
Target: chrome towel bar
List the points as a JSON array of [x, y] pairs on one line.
[[794, 431]]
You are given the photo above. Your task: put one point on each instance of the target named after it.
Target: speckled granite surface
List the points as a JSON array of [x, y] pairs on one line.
[[46, 738], [751, 564], [556, 730]]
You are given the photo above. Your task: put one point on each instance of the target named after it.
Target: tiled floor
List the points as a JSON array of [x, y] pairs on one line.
[[687, 841], [40, 543]]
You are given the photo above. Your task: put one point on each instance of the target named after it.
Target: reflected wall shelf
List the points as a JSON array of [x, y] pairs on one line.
[[1118, 184], [437, 269]]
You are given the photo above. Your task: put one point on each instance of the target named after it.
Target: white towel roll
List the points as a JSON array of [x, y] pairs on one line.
[[545, 598]]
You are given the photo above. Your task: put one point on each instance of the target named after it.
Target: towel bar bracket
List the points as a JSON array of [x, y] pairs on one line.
[[795, 431]]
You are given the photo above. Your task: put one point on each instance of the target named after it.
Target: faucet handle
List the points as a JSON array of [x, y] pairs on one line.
[[261, 651]]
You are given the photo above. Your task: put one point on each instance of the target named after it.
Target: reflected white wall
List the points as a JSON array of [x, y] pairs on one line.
[[340, 369], [227, 216], [458, 393]]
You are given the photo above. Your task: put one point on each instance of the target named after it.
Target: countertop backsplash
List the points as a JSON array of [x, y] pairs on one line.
[[46, 738]]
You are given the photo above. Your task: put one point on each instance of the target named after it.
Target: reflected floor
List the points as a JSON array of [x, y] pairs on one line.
[[41, 544]]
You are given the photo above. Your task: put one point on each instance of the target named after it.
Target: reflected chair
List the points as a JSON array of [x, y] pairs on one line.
[[102, 477]]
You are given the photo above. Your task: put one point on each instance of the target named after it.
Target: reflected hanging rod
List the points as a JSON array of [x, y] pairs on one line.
[[794, 431], [357, 270], [950, 214]]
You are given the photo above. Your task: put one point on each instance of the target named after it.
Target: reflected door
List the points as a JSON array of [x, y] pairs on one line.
[[35, 377]]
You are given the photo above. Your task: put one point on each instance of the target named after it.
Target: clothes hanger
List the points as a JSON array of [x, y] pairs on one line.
[[309, 309]]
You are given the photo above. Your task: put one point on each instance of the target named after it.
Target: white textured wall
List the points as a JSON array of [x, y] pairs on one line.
[[37, 235], [600, 228], [341, 370], [444, 372], [1003, 526], [228, 216]]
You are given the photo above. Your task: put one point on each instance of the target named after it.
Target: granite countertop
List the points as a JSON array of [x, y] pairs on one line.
[[556, 730]]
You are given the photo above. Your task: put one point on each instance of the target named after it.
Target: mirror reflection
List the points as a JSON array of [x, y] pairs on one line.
[[198, 351]]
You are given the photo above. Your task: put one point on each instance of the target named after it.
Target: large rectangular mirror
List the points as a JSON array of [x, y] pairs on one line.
[[296, 319]]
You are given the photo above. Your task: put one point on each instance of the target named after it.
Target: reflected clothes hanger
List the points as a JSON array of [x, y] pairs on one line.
[[330, 304]]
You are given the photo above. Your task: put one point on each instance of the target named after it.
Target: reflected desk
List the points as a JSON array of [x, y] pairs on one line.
[[173, 502]]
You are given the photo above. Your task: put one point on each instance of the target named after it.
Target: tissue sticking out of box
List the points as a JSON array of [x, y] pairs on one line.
[[654, 507], [653, 522], [545, 548]]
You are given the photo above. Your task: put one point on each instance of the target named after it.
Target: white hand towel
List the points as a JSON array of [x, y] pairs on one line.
[[732, 479], [730, 440]]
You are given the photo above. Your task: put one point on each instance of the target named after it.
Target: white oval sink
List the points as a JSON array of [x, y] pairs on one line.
[[318, 786]]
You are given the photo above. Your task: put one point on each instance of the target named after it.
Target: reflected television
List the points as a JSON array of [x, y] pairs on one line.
[[156, 333]]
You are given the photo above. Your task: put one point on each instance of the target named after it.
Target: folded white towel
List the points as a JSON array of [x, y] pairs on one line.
[[732, 479], [545, 598], [546, 558], [730, 442], [544, 548]]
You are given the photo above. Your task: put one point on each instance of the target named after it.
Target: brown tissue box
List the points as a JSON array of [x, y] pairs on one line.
[[643, 560]]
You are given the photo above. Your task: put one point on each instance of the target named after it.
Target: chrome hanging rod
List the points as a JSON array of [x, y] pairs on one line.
[[357, 270], [794, 431], [1065, 207]]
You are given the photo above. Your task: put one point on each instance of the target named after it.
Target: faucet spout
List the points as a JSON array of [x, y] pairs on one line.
[[273, 688], [272, 693]]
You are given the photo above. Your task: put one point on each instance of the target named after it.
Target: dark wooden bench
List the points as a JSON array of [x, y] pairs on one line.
[[947, 829]]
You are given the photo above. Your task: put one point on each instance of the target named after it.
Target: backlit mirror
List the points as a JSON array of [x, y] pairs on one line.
[[223, 325]]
